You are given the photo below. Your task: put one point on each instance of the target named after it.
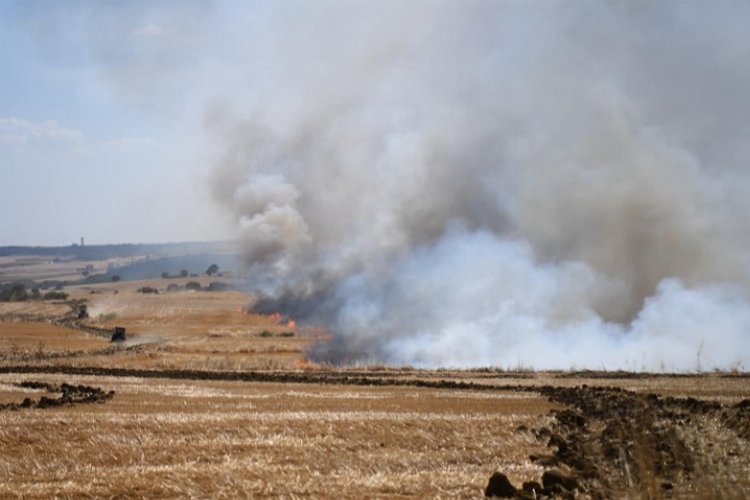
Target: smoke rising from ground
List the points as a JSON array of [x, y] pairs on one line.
[[546, 185]]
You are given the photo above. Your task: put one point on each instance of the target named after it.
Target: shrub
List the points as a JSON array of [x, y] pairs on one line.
[[53, 295], [217, 286], [184, 273], [115, 278], [173, 287], [192, 285], [148, 289], [14, 293]]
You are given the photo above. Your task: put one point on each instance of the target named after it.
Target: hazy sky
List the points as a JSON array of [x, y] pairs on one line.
[[101, 118], [109, 111]]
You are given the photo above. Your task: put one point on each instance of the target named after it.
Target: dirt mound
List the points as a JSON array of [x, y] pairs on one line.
[[616, 441], [556, 484], [738, 418], [500, 486], [551, 479], [69, 395]]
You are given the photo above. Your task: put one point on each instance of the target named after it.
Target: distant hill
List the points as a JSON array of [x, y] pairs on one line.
[[100, 252], [193, 264], [47, 267]]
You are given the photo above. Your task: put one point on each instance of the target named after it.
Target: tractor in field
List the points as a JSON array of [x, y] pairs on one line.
[[118, 334]]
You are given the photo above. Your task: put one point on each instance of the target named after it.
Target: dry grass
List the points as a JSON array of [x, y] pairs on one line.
[[31, 337], [165, 439], [36, 308], [30, 267], [185, 329]]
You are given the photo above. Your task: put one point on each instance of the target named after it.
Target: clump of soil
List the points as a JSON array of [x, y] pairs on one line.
[[555, 484], [69, 395], [738, 418], [500, 486]]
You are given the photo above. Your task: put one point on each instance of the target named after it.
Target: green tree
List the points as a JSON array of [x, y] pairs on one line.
[[14, 293], [212, 269], [53, 295], [192, 285]]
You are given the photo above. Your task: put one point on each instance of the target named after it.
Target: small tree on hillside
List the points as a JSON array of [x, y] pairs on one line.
[[14, 293], [212, 269], [184, 273], [54, 295], [192, 285]]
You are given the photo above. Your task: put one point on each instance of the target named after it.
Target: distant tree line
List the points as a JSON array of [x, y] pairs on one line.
[[18, 292], [98, 252], [183, 274]]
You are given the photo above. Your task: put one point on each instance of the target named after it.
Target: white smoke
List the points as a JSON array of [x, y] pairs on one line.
[[550, 185]]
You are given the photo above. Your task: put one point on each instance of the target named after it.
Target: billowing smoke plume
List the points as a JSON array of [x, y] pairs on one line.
[[550, 185]]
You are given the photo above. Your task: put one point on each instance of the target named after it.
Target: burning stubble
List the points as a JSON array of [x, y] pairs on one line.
[[508, 184]]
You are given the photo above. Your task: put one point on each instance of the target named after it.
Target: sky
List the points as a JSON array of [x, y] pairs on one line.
[[109, 111], [101, 121]]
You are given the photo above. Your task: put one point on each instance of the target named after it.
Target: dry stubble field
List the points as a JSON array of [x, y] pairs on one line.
[[211, 401]]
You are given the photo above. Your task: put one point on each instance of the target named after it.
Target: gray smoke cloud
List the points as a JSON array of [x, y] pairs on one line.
[[537, 184]]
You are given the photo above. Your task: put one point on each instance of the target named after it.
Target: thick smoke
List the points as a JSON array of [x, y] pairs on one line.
[[547, 185]]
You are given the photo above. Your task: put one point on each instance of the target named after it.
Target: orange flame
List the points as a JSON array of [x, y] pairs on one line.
[[305, 364]]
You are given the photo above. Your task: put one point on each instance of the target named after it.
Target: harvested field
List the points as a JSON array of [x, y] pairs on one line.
[[161, 437], [369, 433], [203, 399], [41, 338]]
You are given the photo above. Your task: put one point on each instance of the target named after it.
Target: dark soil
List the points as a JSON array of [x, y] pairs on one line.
[[69, 395], [326, 378], [499, 486], [615, 441]]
